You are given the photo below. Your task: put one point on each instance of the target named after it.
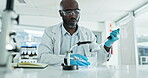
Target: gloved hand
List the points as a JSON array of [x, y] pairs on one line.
[[77, 59], [114, 38]]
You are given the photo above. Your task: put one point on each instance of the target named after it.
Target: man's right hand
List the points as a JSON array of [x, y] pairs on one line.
[[77, 59]]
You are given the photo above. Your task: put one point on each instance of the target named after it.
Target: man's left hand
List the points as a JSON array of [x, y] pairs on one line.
[[114, 37], [77, 59]]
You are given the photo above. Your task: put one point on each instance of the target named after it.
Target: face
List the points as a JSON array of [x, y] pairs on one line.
[[70, 15]]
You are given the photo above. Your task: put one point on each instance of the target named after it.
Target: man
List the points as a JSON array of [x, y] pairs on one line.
[[58, 39]]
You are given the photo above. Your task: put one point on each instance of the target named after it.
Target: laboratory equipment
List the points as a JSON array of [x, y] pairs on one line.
[[28, 52], [66, 65], [8, 16], [13, 43]]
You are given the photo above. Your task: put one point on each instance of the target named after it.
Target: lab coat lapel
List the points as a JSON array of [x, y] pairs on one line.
[[82, 34], [57, 38], [84, 37]]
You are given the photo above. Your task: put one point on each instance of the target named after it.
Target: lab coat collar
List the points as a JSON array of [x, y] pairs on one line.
[[57, 31], [59, 26], [64, 31], [56, 28]]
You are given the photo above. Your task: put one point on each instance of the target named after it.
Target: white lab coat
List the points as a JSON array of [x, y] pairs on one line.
[[49, 48]]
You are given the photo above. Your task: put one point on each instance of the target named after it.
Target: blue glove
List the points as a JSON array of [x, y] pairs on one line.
[[77, 59], [114, 38]]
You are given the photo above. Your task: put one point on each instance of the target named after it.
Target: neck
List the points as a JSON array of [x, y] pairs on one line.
[[71, 30]]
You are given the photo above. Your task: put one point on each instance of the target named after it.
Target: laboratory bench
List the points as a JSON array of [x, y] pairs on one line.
[[104, 71]]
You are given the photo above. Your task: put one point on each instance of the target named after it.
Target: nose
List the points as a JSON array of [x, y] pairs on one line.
[[73, 15]]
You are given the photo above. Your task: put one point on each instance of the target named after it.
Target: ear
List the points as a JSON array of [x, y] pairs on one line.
[[60, 12]]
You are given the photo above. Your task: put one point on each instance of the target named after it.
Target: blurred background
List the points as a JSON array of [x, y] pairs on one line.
[[101, 16]]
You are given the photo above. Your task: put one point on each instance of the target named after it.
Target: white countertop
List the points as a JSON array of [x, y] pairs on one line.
[[126, 71]]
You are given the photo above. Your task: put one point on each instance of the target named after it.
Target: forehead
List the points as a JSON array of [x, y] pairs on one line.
[[69, 5]]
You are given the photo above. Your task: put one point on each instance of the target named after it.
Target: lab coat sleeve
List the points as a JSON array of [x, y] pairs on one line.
[[103, 55], [45, 50]]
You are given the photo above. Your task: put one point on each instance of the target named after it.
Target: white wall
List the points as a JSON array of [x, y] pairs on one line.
[[94, 26], [49, 21], [39, 23], [42, 21]]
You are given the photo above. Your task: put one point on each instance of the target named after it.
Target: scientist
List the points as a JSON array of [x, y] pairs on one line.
[[58, 39]]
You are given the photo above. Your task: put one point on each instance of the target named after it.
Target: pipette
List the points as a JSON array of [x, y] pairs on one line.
[[67, 58]]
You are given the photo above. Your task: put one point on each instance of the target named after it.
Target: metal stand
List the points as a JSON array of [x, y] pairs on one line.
[[70, 67], [66, 65]]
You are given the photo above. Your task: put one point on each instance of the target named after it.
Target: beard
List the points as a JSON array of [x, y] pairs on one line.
[[71, 23]]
